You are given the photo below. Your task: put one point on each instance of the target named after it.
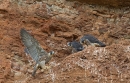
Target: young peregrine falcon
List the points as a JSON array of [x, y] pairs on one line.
[[33, 48], [91, 40], [76, 46]]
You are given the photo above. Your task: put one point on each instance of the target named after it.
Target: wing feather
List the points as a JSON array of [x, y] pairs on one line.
[[32, 45]]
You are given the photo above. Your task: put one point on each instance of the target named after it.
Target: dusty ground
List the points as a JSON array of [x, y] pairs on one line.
[[110, 64]]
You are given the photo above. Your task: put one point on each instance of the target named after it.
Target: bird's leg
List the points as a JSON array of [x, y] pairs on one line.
[[35, 69]]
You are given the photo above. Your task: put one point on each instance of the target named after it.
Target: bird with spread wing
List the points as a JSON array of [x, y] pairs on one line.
[[34, 49]]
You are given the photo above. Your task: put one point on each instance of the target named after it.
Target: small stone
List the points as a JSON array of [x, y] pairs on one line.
[[8, 57]]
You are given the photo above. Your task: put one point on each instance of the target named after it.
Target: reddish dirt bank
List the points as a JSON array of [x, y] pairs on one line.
[[110, 64]]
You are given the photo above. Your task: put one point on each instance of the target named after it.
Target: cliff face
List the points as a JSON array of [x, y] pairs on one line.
[[54, 23], [114, 3]]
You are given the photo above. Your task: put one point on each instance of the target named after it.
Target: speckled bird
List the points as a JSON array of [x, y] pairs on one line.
[[76, 46], [34, 49], [91, 40]]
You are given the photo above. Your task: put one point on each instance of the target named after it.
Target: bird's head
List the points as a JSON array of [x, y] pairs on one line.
[[69, 44], [51, 53]]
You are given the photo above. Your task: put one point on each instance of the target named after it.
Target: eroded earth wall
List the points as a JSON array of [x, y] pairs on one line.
[[54, 23]]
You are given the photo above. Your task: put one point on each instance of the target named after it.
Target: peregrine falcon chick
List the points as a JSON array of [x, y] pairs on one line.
[[91, 40], [34, 49], [76, 46]]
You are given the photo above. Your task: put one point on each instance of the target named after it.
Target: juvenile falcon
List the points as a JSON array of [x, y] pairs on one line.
[[34, 49], [91, 40], [76, 46]]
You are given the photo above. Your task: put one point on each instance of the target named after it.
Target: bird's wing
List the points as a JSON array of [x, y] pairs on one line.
[[93, 39], [32, 45]]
